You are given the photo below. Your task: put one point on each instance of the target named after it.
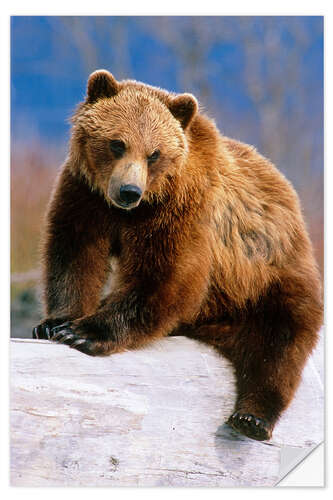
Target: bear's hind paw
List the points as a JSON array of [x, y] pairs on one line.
[[251, 426]]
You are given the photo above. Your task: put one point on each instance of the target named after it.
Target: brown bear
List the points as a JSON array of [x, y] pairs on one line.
[[203, 237]]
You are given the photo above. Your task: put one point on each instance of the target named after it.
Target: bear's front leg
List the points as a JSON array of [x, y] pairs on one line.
[[129, 318], [122, 322], [75, 254]]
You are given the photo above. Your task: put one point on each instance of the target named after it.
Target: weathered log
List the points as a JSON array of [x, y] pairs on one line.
[[153, 417]]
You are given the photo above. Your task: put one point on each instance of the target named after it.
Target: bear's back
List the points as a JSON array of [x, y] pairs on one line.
[[255, 221]]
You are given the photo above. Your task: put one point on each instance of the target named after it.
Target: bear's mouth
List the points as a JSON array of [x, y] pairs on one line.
[[125, 205]]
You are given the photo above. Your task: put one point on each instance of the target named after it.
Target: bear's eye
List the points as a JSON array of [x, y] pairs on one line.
[[154, 156], [117, 148]]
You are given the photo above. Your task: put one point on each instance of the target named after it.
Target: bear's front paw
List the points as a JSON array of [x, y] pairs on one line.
[[43, 330], [251, 426], [81, 338]]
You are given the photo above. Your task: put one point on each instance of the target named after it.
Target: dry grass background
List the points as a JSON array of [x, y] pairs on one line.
[[32, 175]]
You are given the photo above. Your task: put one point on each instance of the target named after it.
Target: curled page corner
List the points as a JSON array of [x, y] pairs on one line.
[[290, 457]]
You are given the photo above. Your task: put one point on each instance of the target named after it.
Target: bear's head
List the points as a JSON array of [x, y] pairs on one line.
[[129, 139]]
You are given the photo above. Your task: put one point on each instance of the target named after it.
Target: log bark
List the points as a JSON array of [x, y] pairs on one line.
[[154, 417]]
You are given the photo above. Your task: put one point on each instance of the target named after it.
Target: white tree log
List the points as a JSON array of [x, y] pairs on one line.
[[153, 417]]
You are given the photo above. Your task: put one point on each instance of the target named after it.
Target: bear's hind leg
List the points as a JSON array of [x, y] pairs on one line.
[[268, 346], [269, 352]]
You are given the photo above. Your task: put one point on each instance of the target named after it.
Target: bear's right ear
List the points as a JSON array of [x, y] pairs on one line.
[[101, 84]]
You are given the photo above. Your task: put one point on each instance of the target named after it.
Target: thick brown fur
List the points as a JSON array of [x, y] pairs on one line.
[[216, 248]]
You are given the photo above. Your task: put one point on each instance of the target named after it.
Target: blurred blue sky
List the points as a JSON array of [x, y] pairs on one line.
[[51, 58]]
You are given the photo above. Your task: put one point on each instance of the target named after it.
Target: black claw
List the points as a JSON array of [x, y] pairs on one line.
[[83, 345], [61, 333], [78, 341], [39, 332], [66, 339], [47, 331], [55, 329]]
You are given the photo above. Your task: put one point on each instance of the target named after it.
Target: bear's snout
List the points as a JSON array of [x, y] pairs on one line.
[[127, 185], [129, 193]]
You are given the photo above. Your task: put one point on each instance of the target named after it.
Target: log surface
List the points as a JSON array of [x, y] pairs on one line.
[[153, 417]]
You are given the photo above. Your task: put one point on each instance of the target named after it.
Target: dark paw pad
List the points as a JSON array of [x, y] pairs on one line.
[[251, 426]]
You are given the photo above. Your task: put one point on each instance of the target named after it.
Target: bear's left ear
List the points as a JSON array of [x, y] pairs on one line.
[[101, 84], [183, 107]]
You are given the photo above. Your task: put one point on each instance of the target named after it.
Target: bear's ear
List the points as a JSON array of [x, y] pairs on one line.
[[101, 84], [183, 107]]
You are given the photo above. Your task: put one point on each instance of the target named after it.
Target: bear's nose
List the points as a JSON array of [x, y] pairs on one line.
[[129, 193]]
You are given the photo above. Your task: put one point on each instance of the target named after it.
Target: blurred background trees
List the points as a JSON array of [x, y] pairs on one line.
[[260, 78]]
